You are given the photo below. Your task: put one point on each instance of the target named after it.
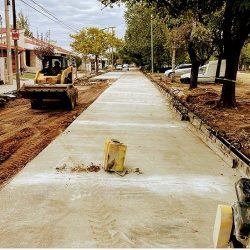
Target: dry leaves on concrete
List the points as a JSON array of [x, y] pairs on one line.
[[81, 168]]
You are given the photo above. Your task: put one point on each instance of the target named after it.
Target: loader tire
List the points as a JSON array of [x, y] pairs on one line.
[[35, 104], [72, 102]]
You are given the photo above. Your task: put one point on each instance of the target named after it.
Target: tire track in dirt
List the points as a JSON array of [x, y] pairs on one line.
[[9, 145], [21, 159], [25, 132]]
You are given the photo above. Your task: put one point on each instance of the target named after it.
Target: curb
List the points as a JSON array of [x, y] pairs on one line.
[[229, 152]]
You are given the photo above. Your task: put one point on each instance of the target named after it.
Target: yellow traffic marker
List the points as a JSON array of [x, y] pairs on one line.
[[223, 226], [114, 155]]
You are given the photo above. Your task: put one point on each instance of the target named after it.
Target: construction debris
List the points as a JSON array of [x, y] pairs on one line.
[[138, 171], [2, 102], [6, 97], [79, 168], [90, 168]]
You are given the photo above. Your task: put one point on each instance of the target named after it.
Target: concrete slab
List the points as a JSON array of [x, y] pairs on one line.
[[172, 204], [12, 87], [109, 75]]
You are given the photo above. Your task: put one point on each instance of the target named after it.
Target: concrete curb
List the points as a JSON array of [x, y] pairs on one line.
[[203, 131]]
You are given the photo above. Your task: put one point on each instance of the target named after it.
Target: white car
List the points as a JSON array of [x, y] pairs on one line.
[[206, 73], [125, 67], [179, 70], [118, 67]]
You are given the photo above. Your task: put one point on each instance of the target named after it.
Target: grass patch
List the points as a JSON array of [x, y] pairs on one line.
[[28, 75]]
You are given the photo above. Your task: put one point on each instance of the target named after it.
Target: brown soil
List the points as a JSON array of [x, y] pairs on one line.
[[24, 132], [234, 123]]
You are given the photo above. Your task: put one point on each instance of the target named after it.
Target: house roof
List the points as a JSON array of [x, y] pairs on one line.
[[4, 46], [31, 43]]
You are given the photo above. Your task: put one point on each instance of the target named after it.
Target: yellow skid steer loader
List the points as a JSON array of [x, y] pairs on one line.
[[53, 82]]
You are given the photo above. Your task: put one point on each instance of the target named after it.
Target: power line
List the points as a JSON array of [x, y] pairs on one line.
[[49, 16]]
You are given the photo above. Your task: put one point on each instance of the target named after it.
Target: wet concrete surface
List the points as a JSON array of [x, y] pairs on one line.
[[172, 204]]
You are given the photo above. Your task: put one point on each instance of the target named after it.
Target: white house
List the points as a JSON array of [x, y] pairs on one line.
[[27, 58]]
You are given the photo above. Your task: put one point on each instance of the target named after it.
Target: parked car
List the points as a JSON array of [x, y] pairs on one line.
[[206, 72], [179, 70], [118, 67], [125, 67], [162, 69]]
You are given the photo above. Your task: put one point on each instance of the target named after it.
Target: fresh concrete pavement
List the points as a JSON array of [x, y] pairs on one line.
[[171, 204]]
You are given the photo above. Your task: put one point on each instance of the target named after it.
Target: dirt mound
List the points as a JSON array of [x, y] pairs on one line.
[[234, 123]]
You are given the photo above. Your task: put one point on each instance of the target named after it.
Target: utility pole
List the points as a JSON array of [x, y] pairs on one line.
[[173, 62], [8, 41], [112, 49], [16, 45], [152, 46], [1, 35]]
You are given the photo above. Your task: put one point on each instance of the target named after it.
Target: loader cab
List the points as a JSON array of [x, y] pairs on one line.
[[53, 65]]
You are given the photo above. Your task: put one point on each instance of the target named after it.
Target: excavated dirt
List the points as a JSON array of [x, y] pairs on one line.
[[24, 132], [234, 123]]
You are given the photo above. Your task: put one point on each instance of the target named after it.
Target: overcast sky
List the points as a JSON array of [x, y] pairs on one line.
[[78, 14]]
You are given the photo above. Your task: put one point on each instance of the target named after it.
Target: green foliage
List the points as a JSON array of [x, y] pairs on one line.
[[138, 36], [245, 56], [23, 23], [202, 41], [94, 41], [78, 61]]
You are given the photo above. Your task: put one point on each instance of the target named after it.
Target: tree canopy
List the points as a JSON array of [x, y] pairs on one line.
[[23, 23], [235, 30], [138, 36], [94, 41]]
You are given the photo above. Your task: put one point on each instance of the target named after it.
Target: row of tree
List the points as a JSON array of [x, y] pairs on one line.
[[201, 27], [94, 41]]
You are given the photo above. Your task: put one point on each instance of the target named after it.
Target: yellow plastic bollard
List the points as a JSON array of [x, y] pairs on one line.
[[223, 226], [114, 155]]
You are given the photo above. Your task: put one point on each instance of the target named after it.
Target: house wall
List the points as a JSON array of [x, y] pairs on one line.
[[2, 68], [35, 63]]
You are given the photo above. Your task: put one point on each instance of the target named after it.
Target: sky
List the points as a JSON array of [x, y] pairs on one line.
[[77, 14]]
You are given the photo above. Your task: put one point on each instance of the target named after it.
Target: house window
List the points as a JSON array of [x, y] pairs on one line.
[[27, 57]]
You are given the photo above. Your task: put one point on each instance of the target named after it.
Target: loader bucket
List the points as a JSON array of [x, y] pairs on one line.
[[39, 92]]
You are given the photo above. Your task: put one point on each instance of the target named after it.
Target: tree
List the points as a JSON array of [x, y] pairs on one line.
[[94, 41], [198, 41], [23, 23], [45, 48], [245, 57], [236, 28], [138, 36]]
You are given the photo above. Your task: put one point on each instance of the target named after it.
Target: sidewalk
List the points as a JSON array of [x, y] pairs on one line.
[[12, 87], [172, 204]]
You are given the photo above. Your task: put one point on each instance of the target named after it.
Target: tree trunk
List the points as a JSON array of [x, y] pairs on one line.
[[194, 74], [227, 98], [96, 64], [195, 66], [235, 32], [232, 55], [218, 67]]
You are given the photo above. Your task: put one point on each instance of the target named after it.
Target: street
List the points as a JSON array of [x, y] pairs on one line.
[[172, 203]]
